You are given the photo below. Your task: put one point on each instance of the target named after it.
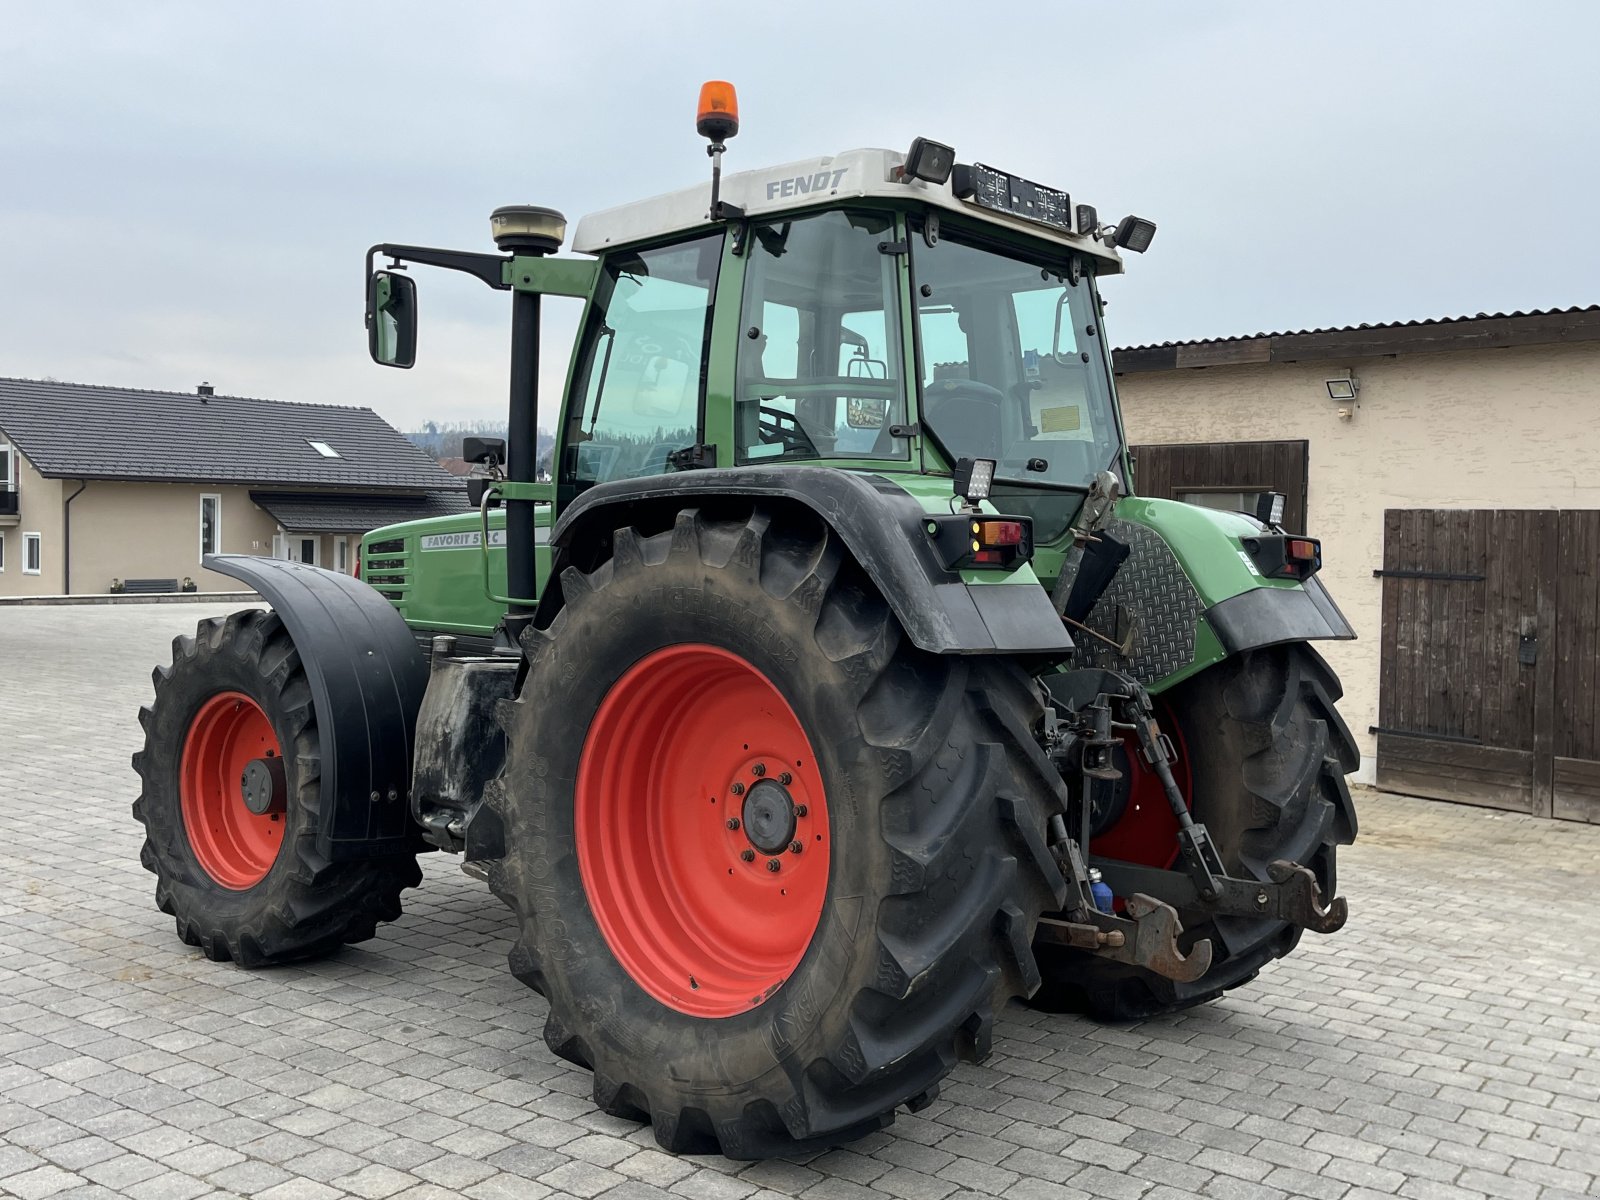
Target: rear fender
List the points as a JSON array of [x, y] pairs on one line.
[[879, 523], [367, 678]]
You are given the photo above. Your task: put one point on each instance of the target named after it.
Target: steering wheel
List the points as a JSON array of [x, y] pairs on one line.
[[966, 415], [783, 428]]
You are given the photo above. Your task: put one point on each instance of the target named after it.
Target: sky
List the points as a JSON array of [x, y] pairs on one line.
[[188, 190]]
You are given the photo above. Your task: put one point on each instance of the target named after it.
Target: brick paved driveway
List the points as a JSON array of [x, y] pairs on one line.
[[1447, 1044]]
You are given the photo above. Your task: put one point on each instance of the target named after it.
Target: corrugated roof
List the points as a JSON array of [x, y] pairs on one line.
[[307, 512], [84, 431], [1246, 337]]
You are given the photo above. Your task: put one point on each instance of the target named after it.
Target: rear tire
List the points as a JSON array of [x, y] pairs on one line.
[[245, 887], [1267, 754], [936, 799]]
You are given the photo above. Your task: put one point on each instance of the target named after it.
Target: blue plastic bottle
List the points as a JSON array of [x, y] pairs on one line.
[[1100, 890]]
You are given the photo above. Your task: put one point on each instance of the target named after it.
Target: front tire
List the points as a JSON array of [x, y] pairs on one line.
[[248, 886], [708, 997], [1264, 754]]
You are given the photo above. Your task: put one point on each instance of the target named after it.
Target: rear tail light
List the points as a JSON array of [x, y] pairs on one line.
[[1278, 556], [962, 540]]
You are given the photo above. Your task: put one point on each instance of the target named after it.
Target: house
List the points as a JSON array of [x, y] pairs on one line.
[[1451, 469], [104, 487]]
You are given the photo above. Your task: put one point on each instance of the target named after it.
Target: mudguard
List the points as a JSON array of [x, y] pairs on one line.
[[367, 677], [879, 523]]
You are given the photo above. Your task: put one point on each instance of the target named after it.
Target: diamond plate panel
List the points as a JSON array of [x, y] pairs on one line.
[[1153, 588]]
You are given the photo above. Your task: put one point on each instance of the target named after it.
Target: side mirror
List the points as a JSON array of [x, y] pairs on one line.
[[392, 319]]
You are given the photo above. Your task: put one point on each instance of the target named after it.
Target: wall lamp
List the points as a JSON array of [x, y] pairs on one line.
[[1343, 388]]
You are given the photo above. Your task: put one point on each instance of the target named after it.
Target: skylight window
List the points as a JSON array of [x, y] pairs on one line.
[[323, 448]]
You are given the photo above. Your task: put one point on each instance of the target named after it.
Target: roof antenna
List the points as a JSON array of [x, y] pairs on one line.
[[717, 120]]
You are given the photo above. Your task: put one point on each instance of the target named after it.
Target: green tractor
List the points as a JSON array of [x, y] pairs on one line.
[[830, 688]]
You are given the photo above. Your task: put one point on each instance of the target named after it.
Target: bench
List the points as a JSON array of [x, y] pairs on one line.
[[149, 587]]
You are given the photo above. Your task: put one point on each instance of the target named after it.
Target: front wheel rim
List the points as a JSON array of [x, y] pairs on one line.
[[233, 845], [702, 830]]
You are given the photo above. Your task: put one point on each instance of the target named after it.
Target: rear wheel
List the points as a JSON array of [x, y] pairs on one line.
[[771, 863], [1262, 758], [230, 800]]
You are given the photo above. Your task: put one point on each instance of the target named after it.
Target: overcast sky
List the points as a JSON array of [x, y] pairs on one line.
[[187, 189]]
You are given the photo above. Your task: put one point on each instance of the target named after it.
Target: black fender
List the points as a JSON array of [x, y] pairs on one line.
[[879, 523], [1268, 616], [367, 677]]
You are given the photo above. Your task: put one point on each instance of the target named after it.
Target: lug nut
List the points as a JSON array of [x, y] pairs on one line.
[[737, 789], [774, 865], [786, 779], [733, 822], [1261, 899], [800, 810], [796, 847], [748, 855], [759, 770]]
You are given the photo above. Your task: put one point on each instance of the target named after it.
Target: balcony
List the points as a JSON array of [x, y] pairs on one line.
[[8, 504]]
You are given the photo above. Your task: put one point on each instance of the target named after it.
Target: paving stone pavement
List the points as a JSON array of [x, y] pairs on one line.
[[1446, 1045]]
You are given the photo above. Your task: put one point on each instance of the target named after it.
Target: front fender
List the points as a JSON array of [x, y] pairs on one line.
[[367, 676]]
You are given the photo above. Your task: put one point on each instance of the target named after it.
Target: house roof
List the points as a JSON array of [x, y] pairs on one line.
[[83, 431], [1485, 331], [309, 512]]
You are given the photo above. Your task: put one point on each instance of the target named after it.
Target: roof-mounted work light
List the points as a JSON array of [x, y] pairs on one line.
[[929, 161], [1088, 221], [1134, 233]]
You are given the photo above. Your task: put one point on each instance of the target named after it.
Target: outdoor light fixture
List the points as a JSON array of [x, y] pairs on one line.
[[929, 161], [973, 478], [1342, 389], [1135, 234], [527, 227], [1088, 220]]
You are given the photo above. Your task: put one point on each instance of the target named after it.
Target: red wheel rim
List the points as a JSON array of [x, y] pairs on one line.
[[1147, 832], [693, 766], [234, 846]]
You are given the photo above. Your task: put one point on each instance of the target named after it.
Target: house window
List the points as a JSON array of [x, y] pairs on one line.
[[7, 482], [32, 553], [210, 525], [308, 551], [341, 555], [2, 552], [323, 448]]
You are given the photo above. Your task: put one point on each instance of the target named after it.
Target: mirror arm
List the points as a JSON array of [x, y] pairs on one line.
[[487, 268]]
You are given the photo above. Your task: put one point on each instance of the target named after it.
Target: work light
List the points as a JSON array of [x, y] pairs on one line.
[[1088, 220], [1269, 508], [929, 161], [973, 478], [1135, 233]]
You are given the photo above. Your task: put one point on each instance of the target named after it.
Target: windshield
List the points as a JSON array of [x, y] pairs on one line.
[[1013, 365]]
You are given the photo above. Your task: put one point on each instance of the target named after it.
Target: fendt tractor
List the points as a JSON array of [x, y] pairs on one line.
[[830, 687]]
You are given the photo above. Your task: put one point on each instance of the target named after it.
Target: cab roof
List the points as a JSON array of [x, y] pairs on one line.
[[869, 174]]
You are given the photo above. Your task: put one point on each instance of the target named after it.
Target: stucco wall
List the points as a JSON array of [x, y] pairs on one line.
[[152, 531], [1514, 428], [39, 510]]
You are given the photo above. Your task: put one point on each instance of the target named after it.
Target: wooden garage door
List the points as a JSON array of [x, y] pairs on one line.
[[1490, 659], [1191, 471]]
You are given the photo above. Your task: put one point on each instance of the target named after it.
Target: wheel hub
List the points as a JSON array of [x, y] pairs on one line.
[[263, 785], [769, 817]]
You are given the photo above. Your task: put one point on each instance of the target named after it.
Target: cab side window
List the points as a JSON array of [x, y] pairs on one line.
[[819, 371], [644, 363]]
